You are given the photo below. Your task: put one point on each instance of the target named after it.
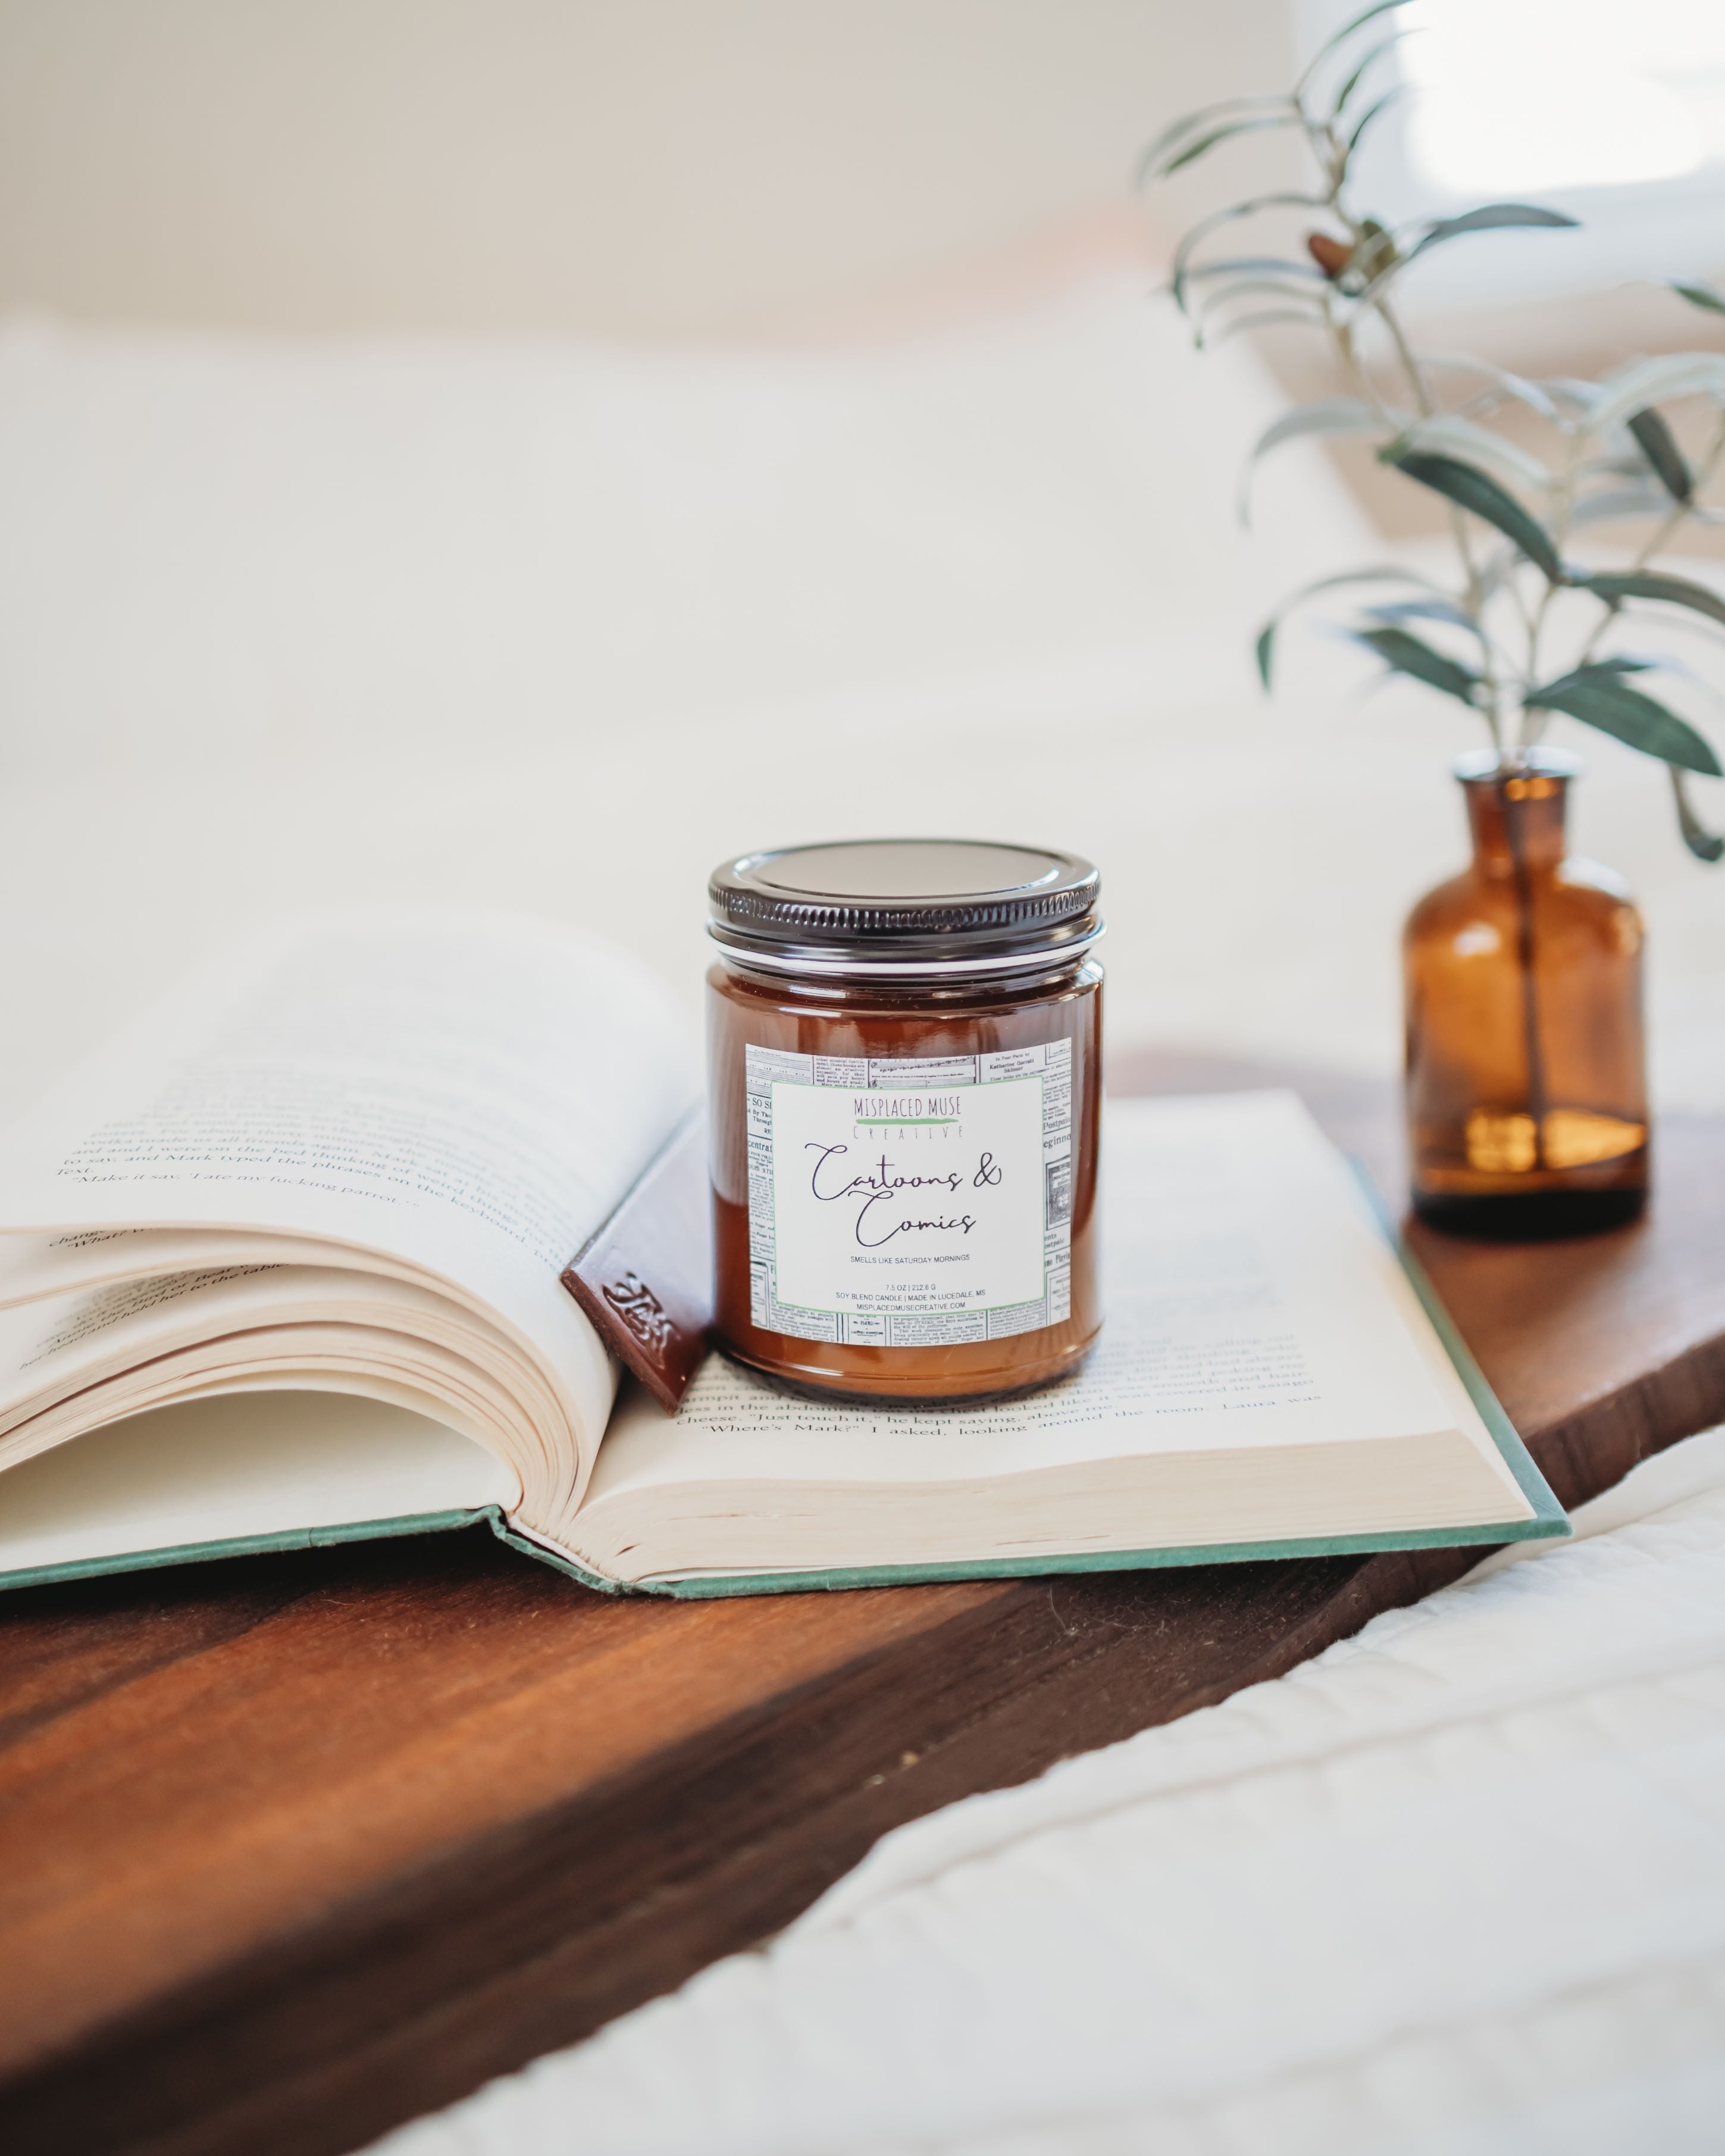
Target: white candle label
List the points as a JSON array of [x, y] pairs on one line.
[[910, 1203]]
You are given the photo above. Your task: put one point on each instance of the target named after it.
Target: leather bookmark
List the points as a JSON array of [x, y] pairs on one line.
[[646, 1278]]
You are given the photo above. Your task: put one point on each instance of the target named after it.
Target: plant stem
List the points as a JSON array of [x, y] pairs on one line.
[[1473, 599], [1533, 724], [1537, 1102], [1656, 543], [1661, 538]]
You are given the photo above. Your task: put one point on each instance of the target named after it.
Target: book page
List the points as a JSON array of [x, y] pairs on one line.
[[41, 1268], [263, 1469], [1251, 1298], [467, 1094], [99, 1356]]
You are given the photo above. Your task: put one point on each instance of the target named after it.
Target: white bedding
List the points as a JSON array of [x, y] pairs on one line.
[[1456, 1887], [557, 628]]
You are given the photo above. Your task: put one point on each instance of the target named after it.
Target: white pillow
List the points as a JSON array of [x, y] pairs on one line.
[[211, 547]]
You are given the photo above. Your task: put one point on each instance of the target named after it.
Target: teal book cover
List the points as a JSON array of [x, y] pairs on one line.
[[1546, 1519]]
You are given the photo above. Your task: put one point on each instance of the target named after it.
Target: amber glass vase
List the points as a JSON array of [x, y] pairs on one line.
[[1526, 1085]]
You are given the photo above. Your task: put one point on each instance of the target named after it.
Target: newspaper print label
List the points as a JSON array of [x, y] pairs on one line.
[[897, 1204]]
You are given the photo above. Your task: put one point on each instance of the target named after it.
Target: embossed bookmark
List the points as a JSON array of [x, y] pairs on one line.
[[646, 1278]]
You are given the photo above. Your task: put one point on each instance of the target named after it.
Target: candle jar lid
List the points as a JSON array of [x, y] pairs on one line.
[[904, 907]]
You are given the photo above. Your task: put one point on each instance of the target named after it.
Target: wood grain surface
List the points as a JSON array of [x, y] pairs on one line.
[[295, 1847]]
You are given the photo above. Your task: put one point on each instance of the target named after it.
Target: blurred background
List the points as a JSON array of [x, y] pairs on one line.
[[638, 168], [519, 450], [669, 169]]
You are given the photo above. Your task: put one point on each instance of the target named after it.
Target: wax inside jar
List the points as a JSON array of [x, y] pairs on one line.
[[935, 1133]]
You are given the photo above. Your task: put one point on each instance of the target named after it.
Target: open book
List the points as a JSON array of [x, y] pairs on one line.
[[281, 1266]]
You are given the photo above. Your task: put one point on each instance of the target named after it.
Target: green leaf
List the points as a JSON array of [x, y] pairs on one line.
[[1341, 37], [1495, 217], [1703, 296], [1701, 842], [1205, 143], [1206, 225], [1267, 287], [1631, 465], [1569, 389], [1659, 446], [1244, 265], [1614, 502], [1371, 112], [1654, 584], [1405, 653], [1598, 694], [1449, 435], [1325, 415], [1192, 123], [1371, 60], [1627, 390], [1474, 491], [1264, 647], [1425, 609], [1518, 386], [1262, 320]]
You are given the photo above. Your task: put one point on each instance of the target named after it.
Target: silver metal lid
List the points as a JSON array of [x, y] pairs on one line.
[[904, 907]]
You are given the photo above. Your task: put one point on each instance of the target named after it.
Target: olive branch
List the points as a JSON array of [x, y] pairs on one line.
[[1611, 454]]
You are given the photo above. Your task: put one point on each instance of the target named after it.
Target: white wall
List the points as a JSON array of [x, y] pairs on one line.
[[659, 167]]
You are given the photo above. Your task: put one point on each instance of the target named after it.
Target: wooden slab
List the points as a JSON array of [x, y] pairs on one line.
[[296, 1847]]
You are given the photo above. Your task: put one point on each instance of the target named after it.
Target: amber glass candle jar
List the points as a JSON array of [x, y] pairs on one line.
[[1526, 1090], [904, 1060]]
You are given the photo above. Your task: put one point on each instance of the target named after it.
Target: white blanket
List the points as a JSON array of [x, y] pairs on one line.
[[1458, 1885], [558, 627], [555, 628]]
